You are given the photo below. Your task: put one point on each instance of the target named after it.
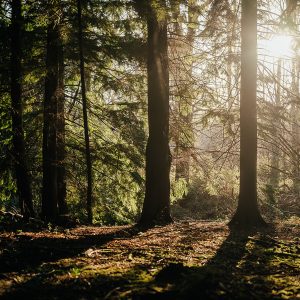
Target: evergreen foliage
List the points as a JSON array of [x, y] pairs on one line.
[[204, 79]]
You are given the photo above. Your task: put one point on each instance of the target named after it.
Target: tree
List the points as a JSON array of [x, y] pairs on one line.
[[291, 19], [61, 152], [54, 93], [182, 71], [156, 207], [21, 172], [85, 117], [275, 174], [247, 213]]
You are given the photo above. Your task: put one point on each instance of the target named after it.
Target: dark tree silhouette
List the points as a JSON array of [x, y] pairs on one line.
[[247, 213], [21, 171], [61, 153], [85, 117], [53, 96], [156, 208]]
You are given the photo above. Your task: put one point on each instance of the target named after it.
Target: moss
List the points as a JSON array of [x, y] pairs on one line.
[[167, 262]]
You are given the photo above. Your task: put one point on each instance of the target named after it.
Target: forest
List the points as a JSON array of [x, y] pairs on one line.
[[149, 149]]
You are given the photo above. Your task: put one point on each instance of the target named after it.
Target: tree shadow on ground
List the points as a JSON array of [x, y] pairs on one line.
[[25, 252], [43, 287], [41, 255], [242, 268], [41, 260], [237, 271]]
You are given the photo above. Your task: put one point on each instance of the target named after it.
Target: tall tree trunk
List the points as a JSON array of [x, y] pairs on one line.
[[247, 213], [230, 37], [292, 12], [274, 174], [85, 117], [295, 126], [156, 208], [21, 171], [61, 172], [53, 93], [185, 135]]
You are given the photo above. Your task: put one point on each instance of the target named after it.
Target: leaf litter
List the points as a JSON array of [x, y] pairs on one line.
[[178, 261]]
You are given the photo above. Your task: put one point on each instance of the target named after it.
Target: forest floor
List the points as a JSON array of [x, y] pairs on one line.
[[184, 260]]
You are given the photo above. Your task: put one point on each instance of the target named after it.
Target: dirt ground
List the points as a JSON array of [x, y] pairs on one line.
[[184, 260]]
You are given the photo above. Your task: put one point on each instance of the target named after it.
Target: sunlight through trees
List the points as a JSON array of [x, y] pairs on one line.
[[127, 111]]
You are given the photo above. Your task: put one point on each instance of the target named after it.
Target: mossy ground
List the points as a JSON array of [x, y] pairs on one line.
[[183, 260]]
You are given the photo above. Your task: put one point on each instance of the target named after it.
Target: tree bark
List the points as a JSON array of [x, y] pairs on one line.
[[295, 126], [53, 94], [247, 214], [61, 152], [292, 13], [89, 201], [275, 159], [156, 207], [185, 135], [21, 171]]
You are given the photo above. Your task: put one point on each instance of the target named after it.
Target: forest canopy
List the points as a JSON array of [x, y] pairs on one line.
[[117, 112]]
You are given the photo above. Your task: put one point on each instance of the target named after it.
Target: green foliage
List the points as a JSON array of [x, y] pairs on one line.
[[204, 63], [205, 198], [7, 184], [179, 189]]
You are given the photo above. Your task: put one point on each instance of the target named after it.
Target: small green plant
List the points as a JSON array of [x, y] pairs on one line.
[[75, 272]]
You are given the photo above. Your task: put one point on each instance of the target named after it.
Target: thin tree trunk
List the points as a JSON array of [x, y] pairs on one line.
[[156, 208], [295, 126], [21, 171], [185, 139], [292, 13], [85, 117], [274, 175], [61, 153], [247, 213], [231, 25]]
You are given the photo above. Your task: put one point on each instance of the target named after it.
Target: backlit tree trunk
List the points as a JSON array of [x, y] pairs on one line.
[[295, 125], [292, 11], [247, 213], [156, 208], [183, 73], [274, 174], [85, 118]]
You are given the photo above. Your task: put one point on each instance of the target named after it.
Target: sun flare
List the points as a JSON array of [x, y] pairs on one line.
[[277, 46]]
